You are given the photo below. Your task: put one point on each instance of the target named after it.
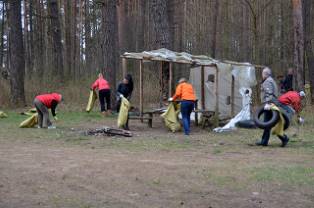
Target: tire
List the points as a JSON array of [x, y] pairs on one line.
[[246, 124], [265, 124]]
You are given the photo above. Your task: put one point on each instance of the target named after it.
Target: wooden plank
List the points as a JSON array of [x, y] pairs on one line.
[[124, 67], [141, 88], [203, 86], [170, 79], [217, 98], [232, 96]]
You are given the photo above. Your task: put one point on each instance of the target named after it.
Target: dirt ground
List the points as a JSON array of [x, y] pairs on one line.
[[155, 168]]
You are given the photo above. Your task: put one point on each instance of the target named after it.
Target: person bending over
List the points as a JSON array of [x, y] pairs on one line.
[[291, 102], [44, 102], [185, 93]]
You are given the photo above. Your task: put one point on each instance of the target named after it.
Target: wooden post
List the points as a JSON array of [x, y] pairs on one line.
[[203, 87], [216, 119], [161, 78], [124, 67], [232, 96], [141, 88], [170, 79]]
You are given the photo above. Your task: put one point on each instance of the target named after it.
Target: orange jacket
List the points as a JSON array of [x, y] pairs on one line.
[[184, 91], [101, 84]]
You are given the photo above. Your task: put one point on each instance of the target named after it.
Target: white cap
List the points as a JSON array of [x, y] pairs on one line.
[[302, 93]]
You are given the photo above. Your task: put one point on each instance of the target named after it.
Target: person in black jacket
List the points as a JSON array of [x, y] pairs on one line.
[[125, 89], [287, 82]]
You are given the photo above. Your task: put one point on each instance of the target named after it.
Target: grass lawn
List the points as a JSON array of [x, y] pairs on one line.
[[155, 168]]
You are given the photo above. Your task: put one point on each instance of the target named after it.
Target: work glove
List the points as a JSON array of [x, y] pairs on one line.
[[301, 120], [55, 118], [170, 99], [267, 107]]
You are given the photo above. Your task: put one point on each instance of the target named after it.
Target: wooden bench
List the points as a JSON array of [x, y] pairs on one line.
[[142, 118]]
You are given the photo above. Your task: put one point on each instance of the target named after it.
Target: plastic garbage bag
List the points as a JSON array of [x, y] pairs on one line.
[[123, 112], [91, 101], [171, 117], [29, 112], [278, 129], [3, 114], [30, 121], [244, 114]]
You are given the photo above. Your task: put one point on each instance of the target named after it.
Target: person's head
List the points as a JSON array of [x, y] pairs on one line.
[[302, 94], [290, 71], [266, 73], [100, 75], [182, 80], [125, 81]]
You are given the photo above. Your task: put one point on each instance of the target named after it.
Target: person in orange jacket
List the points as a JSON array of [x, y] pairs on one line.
[[185, 94], [44, 102], [104, 93]]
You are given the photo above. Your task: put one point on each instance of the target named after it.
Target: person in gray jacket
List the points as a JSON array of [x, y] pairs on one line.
[[269, 93]]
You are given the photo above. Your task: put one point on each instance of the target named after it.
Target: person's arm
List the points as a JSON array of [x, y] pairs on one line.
[[95, 85], [178, 93], [54, 104]]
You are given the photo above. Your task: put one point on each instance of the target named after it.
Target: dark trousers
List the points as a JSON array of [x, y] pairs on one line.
[[104, 98], [186, 110], [43, 114], [266, 133]]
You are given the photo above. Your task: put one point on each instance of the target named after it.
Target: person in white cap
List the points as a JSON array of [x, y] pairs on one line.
[[292, 102], [269, 93]]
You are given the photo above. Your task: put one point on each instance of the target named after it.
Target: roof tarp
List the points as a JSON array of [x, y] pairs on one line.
[[164, 54]]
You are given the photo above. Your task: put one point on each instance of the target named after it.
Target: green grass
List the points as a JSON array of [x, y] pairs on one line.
[[295, 175]]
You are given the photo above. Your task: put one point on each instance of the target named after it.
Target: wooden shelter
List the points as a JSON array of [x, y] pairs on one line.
[[164, 55]]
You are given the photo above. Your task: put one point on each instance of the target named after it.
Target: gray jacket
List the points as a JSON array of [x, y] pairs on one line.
[[269, 90]]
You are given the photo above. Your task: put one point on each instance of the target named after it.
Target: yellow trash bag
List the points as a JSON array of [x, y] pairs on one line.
[[30, 112], [278, 129], [171, 117], [91, 100], [123, 112], [30, 121], [3, 114]]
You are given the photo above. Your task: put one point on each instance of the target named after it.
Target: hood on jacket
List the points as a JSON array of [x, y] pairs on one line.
[[57, 97]]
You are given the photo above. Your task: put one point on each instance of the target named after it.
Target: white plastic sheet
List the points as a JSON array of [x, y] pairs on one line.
[[244, 114]]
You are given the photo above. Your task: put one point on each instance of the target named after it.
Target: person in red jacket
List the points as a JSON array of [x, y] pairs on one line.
[[44, 102], [104, 93], [292, 102]]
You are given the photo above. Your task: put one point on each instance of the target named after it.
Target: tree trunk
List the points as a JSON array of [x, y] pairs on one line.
[[88, 39], [298, 43], [160, 23], [308, 5], [215, 29], [55, 32], [68, 37], [17, 65], [110, 42]]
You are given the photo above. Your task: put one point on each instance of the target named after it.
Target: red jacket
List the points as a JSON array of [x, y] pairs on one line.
[[101, 84], [47, 99], [291, 98]]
